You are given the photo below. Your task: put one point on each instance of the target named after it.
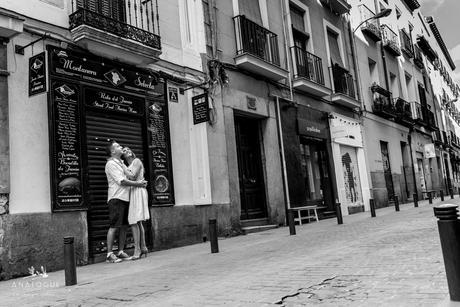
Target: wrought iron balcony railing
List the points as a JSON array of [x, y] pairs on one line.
[[371, 27], [403, 111], [136, 20], [418, 59], [406, 44], [256, 40], [343, 81], [308, 65], [390, 40], [383, 106]]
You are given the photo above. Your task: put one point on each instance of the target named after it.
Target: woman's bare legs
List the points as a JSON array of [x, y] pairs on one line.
[[142, 236], [136, 236]]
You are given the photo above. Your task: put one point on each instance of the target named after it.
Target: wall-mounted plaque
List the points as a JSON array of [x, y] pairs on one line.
[[200, 108], [37, 74], [66, 165], [161, 179]]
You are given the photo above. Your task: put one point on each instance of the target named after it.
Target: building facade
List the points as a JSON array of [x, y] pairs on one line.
[[400, 113]]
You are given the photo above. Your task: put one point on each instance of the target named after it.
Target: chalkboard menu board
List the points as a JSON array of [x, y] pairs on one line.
[[66, 150], [161, 180], [200, 107]]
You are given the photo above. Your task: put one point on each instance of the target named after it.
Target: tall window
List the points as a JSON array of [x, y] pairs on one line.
[[298, 27], [394, 85], [207, 27], [334, 49], [111, 8]]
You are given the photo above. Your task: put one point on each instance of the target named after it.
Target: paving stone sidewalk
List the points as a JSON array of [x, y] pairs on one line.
[[394, 259]]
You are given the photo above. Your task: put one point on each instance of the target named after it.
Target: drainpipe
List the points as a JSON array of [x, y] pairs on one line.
[[286, 48], [287, 201]]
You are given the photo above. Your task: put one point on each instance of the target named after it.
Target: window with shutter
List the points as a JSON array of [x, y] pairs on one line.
[[334, 49], [111, 8]]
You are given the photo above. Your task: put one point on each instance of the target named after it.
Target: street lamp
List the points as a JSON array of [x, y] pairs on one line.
[[381, 14]]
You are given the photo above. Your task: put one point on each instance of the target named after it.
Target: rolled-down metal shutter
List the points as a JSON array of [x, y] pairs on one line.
[[99, 129]]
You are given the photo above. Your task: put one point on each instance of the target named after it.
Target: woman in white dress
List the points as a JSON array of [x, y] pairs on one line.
[[138, 204]]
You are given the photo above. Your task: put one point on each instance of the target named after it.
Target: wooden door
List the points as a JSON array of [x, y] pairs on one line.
[[252, 186], [387, 170]]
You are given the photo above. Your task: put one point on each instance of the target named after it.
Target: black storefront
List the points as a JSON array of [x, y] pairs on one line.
[[91, 100], [308, 157]]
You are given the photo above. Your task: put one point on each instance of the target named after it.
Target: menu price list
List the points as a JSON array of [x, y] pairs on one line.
[[67, 146], [158, 126]]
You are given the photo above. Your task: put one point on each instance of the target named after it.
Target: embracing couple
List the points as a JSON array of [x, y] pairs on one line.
[[127, 200]]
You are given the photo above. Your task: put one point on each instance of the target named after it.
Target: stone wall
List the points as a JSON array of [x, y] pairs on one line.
[[37, 240], [183, 225]]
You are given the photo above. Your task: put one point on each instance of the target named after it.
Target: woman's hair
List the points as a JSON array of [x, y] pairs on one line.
[[134, 155]]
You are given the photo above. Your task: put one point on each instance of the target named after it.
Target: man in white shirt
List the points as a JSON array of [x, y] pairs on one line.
[[118, 200]]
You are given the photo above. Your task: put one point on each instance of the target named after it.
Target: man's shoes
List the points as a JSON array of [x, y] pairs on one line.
[[123, 256], [111, 258]]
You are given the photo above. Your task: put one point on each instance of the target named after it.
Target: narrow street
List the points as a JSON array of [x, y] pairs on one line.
[[394, 259]]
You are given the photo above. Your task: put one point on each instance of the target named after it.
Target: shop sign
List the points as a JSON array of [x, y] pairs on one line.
[[37, 74], [312, 123], [66, 164], [429, 151], [173, 94], [98, 71], [114, 101], [160, 151], [200, 108]]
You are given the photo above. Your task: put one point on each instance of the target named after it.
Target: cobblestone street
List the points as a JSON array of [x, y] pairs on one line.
[[392, 260]]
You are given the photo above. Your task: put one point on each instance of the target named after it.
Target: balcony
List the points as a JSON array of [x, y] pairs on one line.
[[257, 49], [10, 24], [418, 59], [429, 120], [371, 27], [344, 87], [337, 6], [382, 104], [308, 73], [437, 138], [390, 41], [406, 44], [128, 32], [403, 112], [426, 48]]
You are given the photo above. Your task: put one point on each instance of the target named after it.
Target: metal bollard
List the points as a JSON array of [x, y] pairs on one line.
[[396, 203], [372, 205], [213, 236], [338, 210], [441, 194], [449, 235], [415, 200], [430, 198], [451, 191], [291, 222], [70, 265]]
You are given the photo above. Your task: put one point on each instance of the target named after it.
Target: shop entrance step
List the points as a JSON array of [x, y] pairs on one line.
[[253, 229]]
